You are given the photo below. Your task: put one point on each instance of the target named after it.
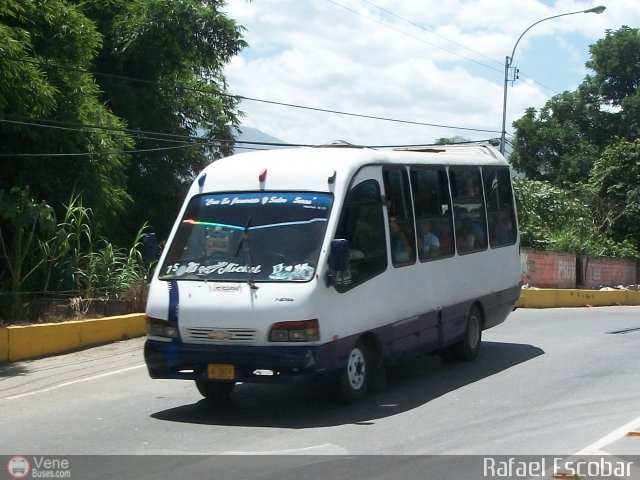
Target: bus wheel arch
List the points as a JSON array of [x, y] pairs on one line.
[[378, 379]]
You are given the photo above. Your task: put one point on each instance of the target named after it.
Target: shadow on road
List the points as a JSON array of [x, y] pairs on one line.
[[408, 386], [8, 370]]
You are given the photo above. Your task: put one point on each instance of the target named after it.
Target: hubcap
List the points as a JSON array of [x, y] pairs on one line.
[[356, 369], [473, 331]]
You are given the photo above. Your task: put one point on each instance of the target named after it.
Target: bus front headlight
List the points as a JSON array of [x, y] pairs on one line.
[[161, 328], [303, 331]]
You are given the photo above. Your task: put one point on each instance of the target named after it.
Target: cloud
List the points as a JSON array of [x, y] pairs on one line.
[[418, 60]]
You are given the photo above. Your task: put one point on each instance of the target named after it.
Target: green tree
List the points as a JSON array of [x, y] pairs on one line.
[[587, 138], [76, 77], [23, 223], [615, 60], [46, 100], [554, 218], [161, 69], [615, 179], [561, 142]]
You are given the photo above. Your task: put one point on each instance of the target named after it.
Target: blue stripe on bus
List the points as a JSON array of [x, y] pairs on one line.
[[174, 302]]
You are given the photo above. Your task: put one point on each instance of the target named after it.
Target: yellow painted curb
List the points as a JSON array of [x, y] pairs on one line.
[[553, 298], [4, 345], [33, 341]]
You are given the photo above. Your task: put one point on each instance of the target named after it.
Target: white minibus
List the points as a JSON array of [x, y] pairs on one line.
[[329, 264]]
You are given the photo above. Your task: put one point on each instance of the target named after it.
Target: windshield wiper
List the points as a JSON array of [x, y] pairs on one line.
[[246, 247]]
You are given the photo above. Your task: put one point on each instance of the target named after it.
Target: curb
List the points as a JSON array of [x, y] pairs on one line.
[[34, 341], [555, 298]]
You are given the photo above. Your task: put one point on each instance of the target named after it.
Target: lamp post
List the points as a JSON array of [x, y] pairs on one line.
[[509, 60]]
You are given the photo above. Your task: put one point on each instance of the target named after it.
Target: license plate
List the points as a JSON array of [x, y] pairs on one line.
[[221, 371]]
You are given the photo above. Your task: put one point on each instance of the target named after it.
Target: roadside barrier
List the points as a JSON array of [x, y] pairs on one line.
[[22, 342]]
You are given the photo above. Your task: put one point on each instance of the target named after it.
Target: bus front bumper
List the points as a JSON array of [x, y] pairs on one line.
[[287, 364]]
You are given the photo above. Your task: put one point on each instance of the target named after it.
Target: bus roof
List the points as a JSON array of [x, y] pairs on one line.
[[311, 168]]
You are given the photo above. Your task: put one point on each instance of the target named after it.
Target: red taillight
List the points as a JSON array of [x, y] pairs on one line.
[[302, 331]]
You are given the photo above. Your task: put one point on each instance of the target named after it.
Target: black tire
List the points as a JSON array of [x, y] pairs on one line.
[[467, 349], [215, 391], [354, 381]]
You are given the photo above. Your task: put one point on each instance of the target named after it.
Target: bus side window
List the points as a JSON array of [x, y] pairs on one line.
[[432, 204], [468, 209], [402, 236], [362, 224], [499, 204]]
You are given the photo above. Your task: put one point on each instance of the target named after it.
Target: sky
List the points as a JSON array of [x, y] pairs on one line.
[[434, 67]]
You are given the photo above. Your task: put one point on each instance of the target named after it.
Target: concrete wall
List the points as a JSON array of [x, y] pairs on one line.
[[566, 270]]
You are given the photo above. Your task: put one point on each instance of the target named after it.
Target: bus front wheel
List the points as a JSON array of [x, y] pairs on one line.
[[354, 381], [467, 349], [215, 391]]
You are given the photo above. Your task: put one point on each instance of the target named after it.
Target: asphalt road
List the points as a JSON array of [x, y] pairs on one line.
[[547, 382]]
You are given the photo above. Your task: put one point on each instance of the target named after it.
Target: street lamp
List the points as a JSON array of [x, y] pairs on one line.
[[509, 60]]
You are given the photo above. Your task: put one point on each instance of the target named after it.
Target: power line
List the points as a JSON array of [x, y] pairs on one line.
[[372, 117], [77, 127], [270, 102], [408, 34], [421, 27], [88, 154]]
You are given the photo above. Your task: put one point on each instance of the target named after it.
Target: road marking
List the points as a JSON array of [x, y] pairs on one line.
[[324, 449], [596, 448], [73, 382]]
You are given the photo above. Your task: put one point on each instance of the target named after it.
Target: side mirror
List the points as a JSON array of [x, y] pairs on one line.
[[339, 255], [339, 275], [149, 247]]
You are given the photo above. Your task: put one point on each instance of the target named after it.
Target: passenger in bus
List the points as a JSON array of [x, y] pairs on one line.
[[430, 241], [479, 227], [400, 247], [446, 238], [466, 242], [503, 228], [465, 238], [479, 240]]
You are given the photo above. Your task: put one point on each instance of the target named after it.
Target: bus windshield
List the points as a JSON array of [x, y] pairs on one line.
[[254, 237]]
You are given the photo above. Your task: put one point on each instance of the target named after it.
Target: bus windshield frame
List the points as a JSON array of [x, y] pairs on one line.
[[249, 236]]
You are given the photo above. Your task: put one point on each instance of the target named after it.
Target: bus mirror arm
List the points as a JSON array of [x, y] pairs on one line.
[[338, 262]]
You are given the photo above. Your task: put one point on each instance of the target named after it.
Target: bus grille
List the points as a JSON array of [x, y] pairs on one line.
[[218, 335]]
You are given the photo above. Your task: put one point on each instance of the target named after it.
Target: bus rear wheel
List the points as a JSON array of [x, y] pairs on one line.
[[354, 381], [215, 391], [467, 349]]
